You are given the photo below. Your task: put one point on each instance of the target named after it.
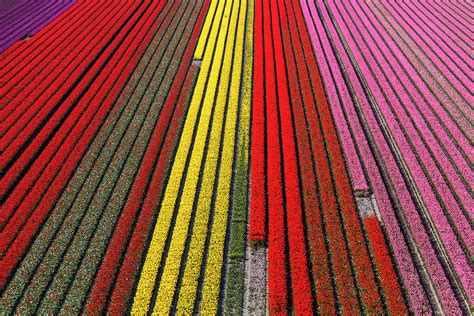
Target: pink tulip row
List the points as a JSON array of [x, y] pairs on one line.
[[404, 128]]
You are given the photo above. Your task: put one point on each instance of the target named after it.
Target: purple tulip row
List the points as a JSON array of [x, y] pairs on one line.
[[25, 18]]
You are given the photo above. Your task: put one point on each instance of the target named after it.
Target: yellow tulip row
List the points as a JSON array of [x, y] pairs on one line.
[[214, 13], [214, 108], [192, 270]]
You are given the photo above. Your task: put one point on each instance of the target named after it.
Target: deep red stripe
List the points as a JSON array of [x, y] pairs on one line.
[[118, 77], [277, 270], [257, 217], [84, 108], [40, 55], [298, 73], [29, 153], [386, 270], [34, 87], [300, 280]]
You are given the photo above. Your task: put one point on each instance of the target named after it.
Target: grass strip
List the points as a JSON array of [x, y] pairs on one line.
[[234, 278]]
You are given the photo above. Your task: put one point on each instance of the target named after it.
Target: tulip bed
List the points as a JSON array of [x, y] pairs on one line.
[[154, 154]]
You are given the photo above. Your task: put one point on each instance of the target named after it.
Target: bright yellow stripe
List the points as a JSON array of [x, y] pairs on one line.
[[214, 262], [146, 283], [195, 256], [212, 277], [208, 24], [246, 98], [171, 270]]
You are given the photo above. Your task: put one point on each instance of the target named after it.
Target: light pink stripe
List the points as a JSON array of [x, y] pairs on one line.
[[434, 41], [430, 12], [438, 32], [427, 158], [465, 5], [438, 56], [455, 9], [440, 13], [448, 95], [410, 277], [452, 245]]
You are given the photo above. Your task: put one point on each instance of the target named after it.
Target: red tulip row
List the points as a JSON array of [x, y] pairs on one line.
[[45, 91], [46, 102], [73, 20], [258, 188], [386, 271], [277, 239], [303, 106], [25, 18], [90, 99]]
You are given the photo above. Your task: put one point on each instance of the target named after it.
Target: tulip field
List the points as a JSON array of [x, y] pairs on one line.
[[236, 157]]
